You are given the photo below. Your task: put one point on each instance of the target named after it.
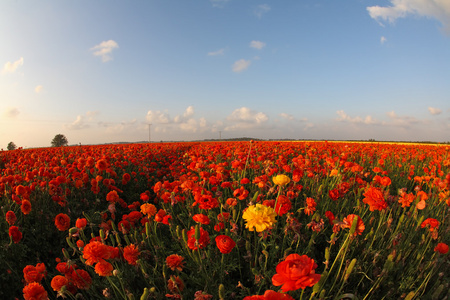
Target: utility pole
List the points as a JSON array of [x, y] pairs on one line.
[[220, 135], [149, 125]]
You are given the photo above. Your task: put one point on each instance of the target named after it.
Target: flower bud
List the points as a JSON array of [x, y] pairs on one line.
[[221, 292], [349, 269], [145, 294]]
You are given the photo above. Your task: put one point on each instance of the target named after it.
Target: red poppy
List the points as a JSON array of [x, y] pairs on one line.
[[441, 248], [348, 221], [11, 217], [225, 244], [95, 251], [201, 218], [201, 243], [33, 274], [433, 223], [270, 295], [175, 261], [15, 234], [295, 272], [374, 197], [80, 278], [34, 291], [131, 254], [25, 207], [104, 268], [58, 282], [81, 223], [62, 222]]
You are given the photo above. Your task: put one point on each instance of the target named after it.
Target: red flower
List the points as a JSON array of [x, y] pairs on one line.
[[95, 251], [11, 217], [131, 254], [34, 291], [34, 274], [201, 218], [225, 244], [104, 268], [175, 261], [270, 295], [434, 224], [348, 221], [58, 282], [81, 223], [295, 272], [441, 248], [62, 222], [201, 243], [374, 197], [25, 207], [15, 234], [112, 197], [80, 278]]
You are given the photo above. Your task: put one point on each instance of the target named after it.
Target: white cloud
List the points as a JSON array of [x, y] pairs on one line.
[[11, 67], [401, 121], [38, 89], [287, 116], [218, 52], [343, 117], [104, 50], [12, 112], [241, 65], [244, 117], [383, 40], [434, 110], [437, 9], [158, 117], [82, 121], [219, 3], [260, 10], [187, 113], [257, 44]]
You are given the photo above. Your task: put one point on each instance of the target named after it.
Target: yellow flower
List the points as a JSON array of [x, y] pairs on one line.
[[281, 180], [259, 217], [148, 209]]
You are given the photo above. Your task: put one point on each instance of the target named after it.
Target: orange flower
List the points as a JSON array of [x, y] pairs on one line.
[[62, 222], [25, 207], [15, 234], [348, 221], [295, 272], [148, 209], [104, 268], [34, 291], [95, 252], [441, 248], [11, 217], [225, 244], [131, 253], [406, 199], [58, 282], [175, 261]]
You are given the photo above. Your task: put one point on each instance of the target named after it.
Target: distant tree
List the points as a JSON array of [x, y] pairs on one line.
[[11, 146], [59, 140]]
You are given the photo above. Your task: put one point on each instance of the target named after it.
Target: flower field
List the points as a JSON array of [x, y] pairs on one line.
[[226, 220]]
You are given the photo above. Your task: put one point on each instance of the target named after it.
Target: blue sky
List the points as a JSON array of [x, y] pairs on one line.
[[101, 71]]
